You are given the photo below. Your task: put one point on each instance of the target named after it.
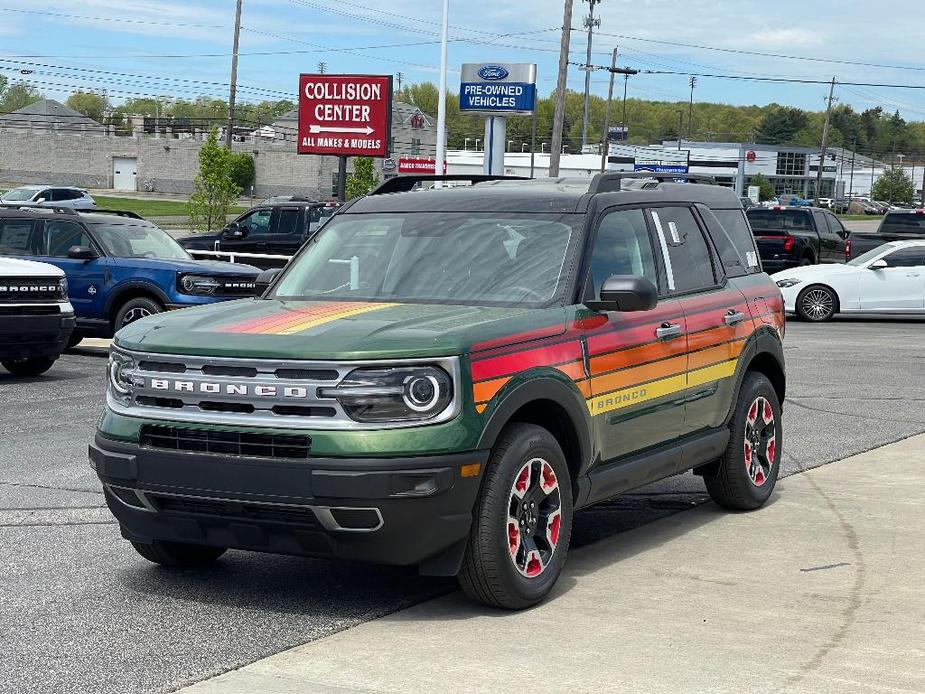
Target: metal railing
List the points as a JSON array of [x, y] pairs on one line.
[[231, 255]]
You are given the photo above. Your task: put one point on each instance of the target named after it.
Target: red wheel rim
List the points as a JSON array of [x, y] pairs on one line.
[[760, 446], [534, 518]]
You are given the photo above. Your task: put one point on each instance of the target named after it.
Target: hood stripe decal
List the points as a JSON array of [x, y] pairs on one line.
[[296, 320]]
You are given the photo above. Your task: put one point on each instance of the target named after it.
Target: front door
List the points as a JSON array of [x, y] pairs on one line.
[[86, 278], [256, 223], [640, 360], [286, 232], [898, 287]]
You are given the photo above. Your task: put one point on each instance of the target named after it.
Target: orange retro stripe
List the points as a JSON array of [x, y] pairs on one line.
[[297, 320]]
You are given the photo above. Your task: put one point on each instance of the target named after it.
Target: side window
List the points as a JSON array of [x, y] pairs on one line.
[[736, 227], [822, 226], [622, 247], [60, 236], [688, 261], [257, 222], [835, 226], [288, 220], [45, 195], [16, 237], [906, 257]]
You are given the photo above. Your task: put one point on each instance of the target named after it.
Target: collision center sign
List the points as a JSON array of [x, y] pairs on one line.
[[345, 115]]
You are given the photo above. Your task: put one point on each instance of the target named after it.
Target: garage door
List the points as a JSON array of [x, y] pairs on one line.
[[124, 173]]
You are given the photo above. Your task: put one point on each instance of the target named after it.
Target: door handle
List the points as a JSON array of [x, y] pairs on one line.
[[733, 317], [666, 331]]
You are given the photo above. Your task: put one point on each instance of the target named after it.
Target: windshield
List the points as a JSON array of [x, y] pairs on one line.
[[18, 194], [865, 258], [455, 258], [764, 221], [138, 241], [903, 223]]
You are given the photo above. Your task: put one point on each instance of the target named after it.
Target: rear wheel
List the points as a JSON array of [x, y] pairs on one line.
[[178, 555], [135, 309], [817, 303], [28, 366], [523, 521], [746, 474]]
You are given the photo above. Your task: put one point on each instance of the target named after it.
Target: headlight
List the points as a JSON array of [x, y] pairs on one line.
[[784, 283], [121, 376], [197, 284], [62, 288], [393, 394]]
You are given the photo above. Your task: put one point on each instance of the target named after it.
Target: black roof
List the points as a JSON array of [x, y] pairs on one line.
[[549, 195]]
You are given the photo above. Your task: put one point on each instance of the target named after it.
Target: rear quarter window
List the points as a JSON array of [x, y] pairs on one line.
[[779, 220], [734, 242]]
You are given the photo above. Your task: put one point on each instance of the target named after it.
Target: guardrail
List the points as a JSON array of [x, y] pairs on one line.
[[231, 255]]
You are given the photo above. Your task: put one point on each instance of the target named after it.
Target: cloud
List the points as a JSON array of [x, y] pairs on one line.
[[781, 38]]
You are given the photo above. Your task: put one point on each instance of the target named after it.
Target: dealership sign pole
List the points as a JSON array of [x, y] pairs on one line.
[[497, 90], [345, 116]]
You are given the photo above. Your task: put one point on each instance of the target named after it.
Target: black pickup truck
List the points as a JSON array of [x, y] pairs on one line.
[[277, 227], [791, 236], [908, 225]]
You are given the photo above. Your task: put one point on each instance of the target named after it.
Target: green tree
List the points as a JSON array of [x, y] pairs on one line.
[[214, 191], [893, 185], [765, 189], [363, 179], [243, 170], [781, 125], [18, 96], [91, 104]]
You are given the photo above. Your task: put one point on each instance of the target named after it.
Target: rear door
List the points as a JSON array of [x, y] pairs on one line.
[[85, 278], [898, 287], [715, 313], [286, 231], [641, 358], [831, 245]]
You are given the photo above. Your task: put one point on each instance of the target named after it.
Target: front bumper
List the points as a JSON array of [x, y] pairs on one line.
[[384, 510], [35, 336]]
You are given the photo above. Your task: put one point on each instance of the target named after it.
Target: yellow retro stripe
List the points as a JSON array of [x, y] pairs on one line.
[[636, 395], [314, 321]]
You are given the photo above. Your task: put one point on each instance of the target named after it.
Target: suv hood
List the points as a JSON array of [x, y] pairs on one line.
[[275, 329], [200, 267], [816, 272], [15, 267]]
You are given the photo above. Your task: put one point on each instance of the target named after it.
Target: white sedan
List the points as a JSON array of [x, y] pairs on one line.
[[888, 279]]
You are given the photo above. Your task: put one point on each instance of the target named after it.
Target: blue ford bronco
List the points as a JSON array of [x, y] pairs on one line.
[[119, 267]]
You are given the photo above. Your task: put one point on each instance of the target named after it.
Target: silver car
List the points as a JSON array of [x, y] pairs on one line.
[[53, 196]]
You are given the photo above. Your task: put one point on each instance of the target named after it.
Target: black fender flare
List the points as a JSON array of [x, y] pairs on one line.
[[764, 341], [134, 285], [565, 395]]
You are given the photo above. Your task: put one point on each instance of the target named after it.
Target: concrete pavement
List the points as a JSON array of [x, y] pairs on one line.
[[820, 591]]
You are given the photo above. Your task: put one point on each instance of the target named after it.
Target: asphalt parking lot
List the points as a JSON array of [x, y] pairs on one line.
[[81, 612]]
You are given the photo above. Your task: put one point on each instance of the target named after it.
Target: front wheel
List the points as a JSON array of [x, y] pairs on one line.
[[135, 309], [523, 521], [28, 366], [178, 555], [746, 474], [817, 304]]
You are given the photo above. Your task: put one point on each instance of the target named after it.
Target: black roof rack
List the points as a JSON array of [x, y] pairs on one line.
[[118, 213], [36, 206], [403, 184], [609, 182]]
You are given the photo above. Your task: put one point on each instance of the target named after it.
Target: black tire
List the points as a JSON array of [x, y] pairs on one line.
[[495, 571], [75, 339], [817, 303], [746, 474], [28, 366], [135, 309], [178, 555]]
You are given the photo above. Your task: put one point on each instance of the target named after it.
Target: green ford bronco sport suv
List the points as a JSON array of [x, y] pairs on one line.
[[443, 377]]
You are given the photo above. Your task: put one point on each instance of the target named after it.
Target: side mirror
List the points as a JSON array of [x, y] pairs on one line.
[[40, 201], [234, 231], [626, 293], [82, 253], [265, 279], [878, 265]]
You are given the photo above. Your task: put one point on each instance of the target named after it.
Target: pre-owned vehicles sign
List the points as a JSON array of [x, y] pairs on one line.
[[345, 115]]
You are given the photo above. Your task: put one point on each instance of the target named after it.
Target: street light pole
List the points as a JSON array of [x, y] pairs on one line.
[[558, 121], [441, 104], [234, 73]]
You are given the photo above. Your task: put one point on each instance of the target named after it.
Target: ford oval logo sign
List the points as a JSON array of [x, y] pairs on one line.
[[493, 73]]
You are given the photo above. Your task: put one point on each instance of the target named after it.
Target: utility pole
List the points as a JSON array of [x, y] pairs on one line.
[[825, 143], [680, 127], [558, 121], [590, 23], [441, 104], [854, 146], [322, 67], [690, 110], [626, 79], [398, 78], [614, 70], [234, 74]]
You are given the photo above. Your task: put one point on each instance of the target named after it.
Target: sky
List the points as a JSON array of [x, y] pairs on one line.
[[181, 49]]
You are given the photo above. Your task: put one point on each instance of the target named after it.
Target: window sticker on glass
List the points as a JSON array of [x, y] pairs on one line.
[[751, 258], [673, 230]]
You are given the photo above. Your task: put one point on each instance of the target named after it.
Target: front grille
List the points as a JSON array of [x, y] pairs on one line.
[[226, 442], [13, 310], [276, 513], [19, 289]]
